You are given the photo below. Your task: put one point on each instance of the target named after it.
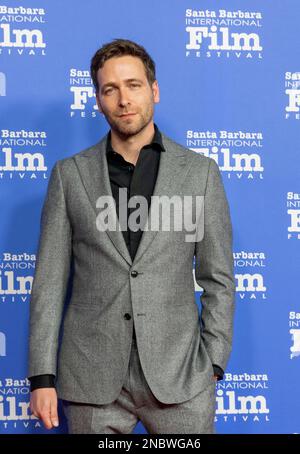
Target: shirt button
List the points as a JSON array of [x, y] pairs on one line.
[[134, 273], [127, 316]]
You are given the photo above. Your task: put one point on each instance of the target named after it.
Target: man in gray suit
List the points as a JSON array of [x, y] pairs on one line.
[[133, 344]]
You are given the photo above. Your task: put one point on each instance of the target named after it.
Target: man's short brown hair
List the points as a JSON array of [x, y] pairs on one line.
[[118, 48]]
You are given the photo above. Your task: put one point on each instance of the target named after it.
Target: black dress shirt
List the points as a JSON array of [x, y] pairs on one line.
[[138, 179]]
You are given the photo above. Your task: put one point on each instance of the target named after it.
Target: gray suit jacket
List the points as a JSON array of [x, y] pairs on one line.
[[176, 347]]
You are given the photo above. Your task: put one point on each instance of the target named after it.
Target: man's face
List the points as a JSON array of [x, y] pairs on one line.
[[124, 88]]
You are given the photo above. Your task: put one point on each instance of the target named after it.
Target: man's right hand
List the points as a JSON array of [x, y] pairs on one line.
[[43, 405]]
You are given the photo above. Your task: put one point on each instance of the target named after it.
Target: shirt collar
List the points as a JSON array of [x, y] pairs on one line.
[[156, 141]]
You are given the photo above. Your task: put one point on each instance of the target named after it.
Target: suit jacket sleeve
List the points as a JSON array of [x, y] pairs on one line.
[[50, 279], [214, 271]]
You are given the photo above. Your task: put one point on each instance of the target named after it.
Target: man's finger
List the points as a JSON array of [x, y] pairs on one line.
[[54, 415], [45, 416]]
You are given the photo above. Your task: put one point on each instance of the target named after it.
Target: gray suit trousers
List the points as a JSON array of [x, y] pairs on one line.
[[137, 402]]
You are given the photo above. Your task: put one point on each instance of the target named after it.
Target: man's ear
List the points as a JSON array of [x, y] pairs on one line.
[[155, 91]]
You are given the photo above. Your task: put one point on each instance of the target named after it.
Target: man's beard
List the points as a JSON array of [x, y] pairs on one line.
[[126, 129]]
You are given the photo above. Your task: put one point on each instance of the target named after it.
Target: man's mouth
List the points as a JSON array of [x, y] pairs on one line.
[[126, 114]]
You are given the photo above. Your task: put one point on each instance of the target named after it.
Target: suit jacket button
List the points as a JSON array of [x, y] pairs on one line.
[[134, 273], [127, 316]]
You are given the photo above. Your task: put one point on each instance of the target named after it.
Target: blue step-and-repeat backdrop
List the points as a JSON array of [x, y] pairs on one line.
[[229, 75]]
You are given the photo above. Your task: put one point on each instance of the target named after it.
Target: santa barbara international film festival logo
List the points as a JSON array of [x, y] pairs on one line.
[[293, 212], [15, 410], [242, 398], [292, 91], [237, 153], [249, 276], [22, 155], [16, 277], [83, 101], [294, 325], [21, 30], [223, 34]]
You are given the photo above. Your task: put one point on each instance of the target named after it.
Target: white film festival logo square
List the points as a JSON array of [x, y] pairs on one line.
[[237, 153], [294, 100], [83, 101], [295, 348], [223, 33], [21, 30], [294, 325], [295, 221], [292, 91]]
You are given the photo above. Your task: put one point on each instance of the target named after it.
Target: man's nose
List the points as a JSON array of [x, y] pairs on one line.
[[123, 97]]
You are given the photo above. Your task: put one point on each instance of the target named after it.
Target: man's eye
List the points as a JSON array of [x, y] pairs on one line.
[[108, 91], [135, 85]]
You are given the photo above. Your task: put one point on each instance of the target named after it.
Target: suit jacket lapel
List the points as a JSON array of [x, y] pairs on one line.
[[171, 172], [93, 169]]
